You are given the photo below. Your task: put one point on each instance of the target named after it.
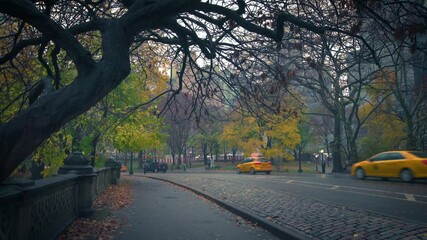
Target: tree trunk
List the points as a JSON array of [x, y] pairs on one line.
[[328, 148], [179, 158], [233, 159], [351, 143], [140, 160], [353, 152], [211, 150], [411, 143], [173, 159], [205, 153], [125, 161], [336, 146], [269, 142], [173, 156], [185, 157], [20, 136]]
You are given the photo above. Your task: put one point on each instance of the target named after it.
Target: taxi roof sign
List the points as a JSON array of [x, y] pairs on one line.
[[256, 155]]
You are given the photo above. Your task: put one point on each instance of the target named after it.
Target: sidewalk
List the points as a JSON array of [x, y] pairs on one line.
[[163, 211]]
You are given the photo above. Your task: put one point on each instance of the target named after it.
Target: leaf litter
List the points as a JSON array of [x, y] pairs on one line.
[[101, 226]]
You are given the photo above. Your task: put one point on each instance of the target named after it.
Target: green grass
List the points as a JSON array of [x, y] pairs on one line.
[[197, 164], [292, 166]]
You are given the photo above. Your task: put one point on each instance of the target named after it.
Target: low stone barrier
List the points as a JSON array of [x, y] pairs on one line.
[[42, 209]]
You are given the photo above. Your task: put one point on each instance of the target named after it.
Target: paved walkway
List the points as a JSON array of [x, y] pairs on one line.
[[314, 219], [163, 211]]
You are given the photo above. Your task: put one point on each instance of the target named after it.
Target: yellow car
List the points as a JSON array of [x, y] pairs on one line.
[[254, 165], [406, 165]]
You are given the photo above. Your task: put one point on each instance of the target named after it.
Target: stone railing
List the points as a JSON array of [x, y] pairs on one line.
[[104, 177], [43, 208]]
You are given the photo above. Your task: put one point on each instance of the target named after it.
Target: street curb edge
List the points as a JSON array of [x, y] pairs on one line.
[[276, 229]]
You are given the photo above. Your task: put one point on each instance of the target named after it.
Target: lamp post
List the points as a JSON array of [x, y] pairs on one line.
[[322, 163], [191, 158], [317, 162]]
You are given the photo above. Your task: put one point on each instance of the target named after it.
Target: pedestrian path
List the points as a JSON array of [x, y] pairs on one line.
[[163, 211]]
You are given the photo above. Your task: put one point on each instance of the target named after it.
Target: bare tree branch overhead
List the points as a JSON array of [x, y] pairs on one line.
[[59, 58]]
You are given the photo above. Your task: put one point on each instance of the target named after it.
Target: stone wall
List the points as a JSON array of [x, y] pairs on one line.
[[43, 208]]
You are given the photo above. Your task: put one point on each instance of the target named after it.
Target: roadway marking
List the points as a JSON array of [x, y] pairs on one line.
[[330, 186], [363, 191], [349, 189], [410, 197]]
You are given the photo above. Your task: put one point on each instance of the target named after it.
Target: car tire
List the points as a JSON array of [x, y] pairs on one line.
[[252, 171], [238, 170], [406, 175], [268, 173], [360, 173]]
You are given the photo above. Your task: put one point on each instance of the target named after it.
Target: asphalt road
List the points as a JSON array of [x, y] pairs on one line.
[[406, 201]]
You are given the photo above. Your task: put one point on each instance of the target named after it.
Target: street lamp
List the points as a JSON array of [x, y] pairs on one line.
[[191, 157], [322, 163]]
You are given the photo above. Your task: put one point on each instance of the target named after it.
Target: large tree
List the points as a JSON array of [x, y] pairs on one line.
[[122, 25], [56, 33], [179, 126]]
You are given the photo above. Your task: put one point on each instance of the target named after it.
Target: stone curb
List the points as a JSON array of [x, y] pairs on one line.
[[276, 229]]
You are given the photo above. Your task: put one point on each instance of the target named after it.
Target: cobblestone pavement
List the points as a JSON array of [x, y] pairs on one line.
[[315, 219]]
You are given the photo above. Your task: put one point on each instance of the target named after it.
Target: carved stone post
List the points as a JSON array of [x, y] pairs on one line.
[[115, 169], [79, 164]]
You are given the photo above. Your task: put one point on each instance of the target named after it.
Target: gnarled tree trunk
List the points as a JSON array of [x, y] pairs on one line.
[[20, 136]]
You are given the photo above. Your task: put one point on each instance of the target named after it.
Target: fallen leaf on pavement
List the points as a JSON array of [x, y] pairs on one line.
[[114, 197]]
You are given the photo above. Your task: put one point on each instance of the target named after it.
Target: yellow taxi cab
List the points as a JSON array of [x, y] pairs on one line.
[[256, 163], [406, 165]]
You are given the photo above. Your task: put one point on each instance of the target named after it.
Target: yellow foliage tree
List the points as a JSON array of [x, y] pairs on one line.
[[284, 136], [275, 136], [384, 132], [242, 133]]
